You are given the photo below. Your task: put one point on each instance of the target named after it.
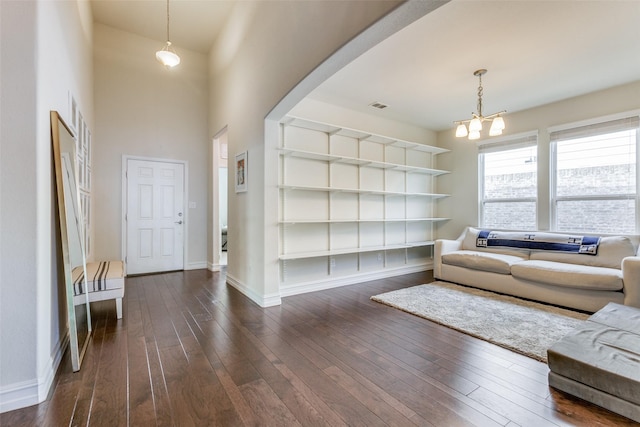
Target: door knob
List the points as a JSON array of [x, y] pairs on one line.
[[179, 222]]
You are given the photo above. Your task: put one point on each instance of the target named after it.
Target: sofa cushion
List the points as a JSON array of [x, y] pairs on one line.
[[469, 243], [485, 261], [570, 275], [610, 254]]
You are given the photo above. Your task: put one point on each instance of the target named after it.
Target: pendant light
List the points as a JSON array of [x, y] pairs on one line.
[[475, 123], [167, 56]]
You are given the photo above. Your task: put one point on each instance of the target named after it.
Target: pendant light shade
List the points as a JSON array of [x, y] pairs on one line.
[[167, 56], [461, 130], [498, 123], [475, 125], [475, 134], [497, 126]]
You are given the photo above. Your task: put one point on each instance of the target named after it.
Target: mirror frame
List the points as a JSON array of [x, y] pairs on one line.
[[69, 213]]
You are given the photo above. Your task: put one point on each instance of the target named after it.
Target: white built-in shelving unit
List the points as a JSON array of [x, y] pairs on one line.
[[349, 193]]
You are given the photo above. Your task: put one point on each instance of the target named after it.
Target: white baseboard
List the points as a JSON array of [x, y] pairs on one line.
[[261, 300], [31, 392], [319, 285], [213, 267], [19, 395], [196, 265]]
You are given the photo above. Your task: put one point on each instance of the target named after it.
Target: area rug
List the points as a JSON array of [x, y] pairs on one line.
[[522, 326]]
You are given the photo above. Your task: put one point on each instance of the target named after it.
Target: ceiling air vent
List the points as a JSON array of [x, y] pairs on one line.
[[378, 105]]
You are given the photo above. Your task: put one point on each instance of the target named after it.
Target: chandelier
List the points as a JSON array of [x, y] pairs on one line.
[[475, 123], [167, 56]]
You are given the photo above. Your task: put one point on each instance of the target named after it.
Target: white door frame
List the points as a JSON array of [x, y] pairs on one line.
[[185, 237], [215, 201]]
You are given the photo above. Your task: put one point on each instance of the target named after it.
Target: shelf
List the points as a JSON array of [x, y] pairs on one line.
[[312, 209], [343, 221], [365, 136], [360, 191], [309, 155], [333, 252]]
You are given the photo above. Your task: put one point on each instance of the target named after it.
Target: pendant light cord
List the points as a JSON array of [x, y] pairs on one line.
[[167, 56], [168, 39]]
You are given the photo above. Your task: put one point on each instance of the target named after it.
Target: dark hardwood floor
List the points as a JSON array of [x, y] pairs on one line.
[[192, 350]]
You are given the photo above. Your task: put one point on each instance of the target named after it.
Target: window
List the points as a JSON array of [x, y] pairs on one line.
[[594, 184], [508, 184]]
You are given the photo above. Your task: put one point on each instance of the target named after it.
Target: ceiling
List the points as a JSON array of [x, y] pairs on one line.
[[536, 52], [194, 24]]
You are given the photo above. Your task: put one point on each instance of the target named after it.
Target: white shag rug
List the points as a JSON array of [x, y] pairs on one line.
[[522, 326]]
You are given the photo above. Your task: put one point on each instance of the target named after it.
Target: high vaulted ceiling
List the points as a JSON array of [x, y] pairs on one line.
[[536, 52], [194, 24]]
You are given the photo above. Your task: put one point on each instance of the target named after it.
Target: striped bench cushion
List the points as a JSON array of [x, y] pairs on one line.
[[101, 276]]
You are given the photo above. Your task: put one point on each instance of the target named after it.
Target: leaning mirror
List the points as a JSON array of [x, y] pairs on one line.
[[73, 255]]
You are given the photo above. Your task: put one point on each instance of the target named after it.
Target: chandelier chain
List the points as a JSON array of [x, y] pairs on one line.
[[480, 96]]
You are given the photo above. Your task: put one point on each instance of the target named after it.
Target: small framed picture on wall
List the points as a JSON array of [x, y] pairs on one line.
[[241, 172]]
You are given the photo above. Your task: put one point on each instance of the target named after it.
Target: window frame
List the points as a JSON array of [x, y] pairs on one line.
[[513, 142], [580, 130]]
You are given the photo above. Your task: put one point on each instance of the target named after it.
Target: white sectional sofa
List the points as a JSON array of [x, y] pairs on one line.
[[581, 281]]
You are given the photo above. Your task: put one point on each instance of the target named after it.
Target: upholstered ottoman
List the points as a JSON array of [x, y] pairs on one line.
[[105, 281], [600, 360]]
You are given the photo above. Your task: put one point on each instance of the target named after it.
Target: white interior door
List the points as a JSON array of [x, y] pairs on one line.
[[154, 216]]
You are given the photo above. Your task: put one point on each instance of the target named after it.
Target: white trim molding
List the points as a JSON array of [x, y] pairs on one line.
[[27, 393], [319, 285], [262, 300], [196, 265]]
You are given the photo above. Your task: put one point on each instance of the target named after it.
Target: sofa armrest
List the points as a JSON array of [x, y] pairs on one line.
[[631, 279], [442, 247]]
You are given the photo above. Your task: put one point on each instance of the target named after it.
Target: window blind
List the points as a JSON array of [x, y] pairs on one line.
[[594, 182], [627, 123], [509, 144]]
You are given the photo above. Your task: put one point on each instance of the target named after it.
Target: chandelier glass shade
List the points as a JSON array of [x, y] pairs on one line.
[[167, 56], [475, 123]]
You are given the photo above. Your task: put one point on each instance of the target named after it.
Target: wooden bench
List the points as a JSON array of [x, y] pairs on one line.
[[105, 281]]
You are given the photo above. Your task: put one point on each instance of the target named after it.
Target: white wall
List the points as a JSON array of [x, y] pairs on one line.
[[462, 161], [265, 49], [313, 109], [45, 55], [143, 109]]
